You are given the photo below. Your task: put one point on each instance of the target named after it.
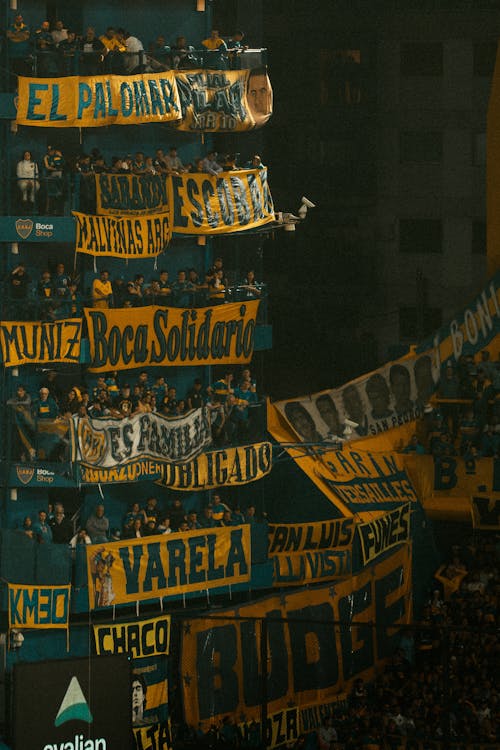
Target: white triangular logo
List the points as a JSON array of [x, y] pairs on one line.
[[74, 705]]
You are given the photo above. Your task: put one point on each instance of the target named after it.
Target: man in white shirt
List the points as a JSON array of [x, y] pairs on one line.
[[133, 58]]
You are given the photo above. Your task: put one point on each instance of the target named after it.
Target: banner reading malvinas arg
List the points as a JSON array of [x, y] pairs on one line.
[[110, 442], [123, 339], [122, 236]]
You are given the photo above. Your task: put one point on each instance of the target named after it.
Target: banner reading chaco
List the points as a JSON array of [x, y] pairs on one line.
[[230, 202], [225, 467], [384, 532], [305, 553], [224, 100], [157, 566], [109, 442], [38, 606], [310, 659], [122, 237], [485, 513], [96, 101], [389, 397], [29, 343], [124, 194], [147, 643], [365, 480], [123, 339]]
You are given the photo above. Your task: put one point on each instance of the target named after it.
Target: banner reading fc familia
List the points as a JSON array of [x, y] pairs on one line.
[[109, 442], [156, 566], [310, 659], [123, 339]]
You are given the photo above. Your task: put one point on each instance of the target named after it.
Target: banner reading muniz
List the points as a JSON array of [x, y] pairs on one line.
[[38, 606], [109, 443], [306, 553], [385, 532], [23, 343], [124, 339], [157, 566], [122, 236]]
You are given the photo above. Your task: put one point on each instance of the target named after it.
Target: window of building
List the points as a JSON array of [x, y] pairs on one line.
[[420, 236], [485, 54], [421, 59], [421, 147], [478, 245], [410, 321]]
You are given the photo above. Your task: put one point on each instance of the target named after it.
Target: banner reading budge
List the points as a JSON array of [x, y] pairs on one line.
[[157, 566]]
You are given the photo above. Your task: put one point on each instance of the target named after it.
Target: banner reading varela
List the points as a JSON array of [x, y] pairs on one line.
[[35, 342], [157, 566], [122, 236], [109, 442], [124, 339]]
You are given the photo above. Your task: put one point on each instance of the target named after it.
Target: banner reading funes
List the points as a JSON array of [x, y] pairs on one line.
[[224, 100], [38, 606], [305, 553], [108, 443], [123, 339], [122, 237], [385, 532], [28, 343], [120, 194], [157, 566], [225, 467], [96, 101], [230, 202]]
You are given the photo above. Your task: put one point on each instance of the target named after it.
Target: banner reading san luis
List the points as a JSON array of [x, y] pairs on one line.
[[194, 101], [122, 236], [157, 566], [123, 339], [36, 342]]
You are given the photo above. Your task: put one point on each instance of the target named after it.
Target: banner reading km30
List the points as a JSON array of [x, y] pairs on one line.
[[123, 339], [157, 566]]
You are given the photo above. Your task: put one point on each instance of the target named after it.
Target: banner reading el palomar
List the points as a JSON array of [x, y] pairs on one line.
[[225, 467], [123, 339], [29, 343], [224, 100], [122, 237], [311, 658], [384, 532], [109, 442], [130, 194], [230, 202], [38, 606], [96, 101], [157, 566], [307, 553], [198, 101]]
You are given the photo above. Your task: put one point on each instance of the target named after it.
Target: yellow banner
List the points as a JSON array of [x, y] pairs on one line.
[[29, 343], [485, 513], [157, 566], [97, 101], [307, 553], [310, 659], [122, 237], [125, 194], [225, 467], [230, 202], [385, 532], [153, 737], [123, 339], [141, 469], [138, 639], [224, 100], [39, 606], [282, 729]]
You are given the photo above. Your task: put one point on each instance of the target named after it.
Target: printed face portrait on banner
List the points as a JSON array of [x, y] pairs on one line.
[[259, 96]]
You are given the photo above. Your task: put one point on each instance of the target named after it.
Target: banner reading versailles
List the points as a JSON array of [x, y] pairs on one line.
[[24, 343], [122, 236], [109, 443], [157, 566], [96, 101], [123, 339], [311, 659], [38, 606]]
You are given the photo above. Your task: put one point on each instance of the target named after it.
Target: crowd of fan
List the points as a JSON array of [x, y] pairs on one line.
[[465, 415], [53, 49], [52, 525], [58, 295]]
